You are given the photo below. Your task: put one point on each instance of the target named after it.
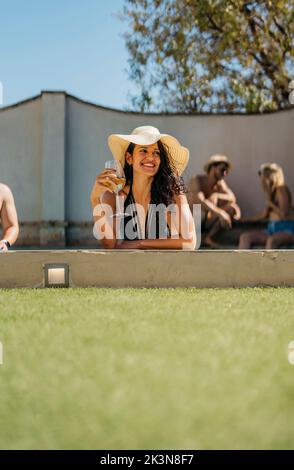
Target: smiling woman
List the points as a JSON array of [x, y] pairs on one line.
[[155, 212]]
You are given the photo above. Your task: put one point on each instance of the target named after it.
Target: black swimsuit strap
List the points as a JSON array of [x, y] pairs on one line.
[[131, 200], [150, 220]]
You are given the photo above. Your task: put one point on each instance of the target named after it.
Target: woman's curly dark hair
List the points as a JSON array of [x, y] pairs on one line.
[[166, 184]]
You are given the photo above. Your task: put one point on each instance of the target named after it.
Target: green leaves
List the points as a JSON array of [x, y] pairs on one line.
[[217, 55]]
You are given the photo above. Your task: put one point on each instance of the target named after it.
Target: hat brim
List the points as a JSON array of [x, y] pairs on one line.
[[118, 144], [211, 163]]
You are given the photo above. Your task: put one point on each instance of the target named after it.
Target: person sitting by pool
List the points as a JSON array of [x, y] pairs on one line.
[[218, 202], [152, 164], [8, 218], [279, 211]]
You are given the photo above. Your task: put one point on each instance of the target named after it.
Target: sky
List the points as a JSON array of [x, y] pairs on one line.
[[71, 45]]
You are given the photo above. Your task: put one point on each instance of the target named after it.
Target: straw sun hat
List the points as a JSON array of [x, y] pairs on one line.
[[214, 160], [148, 135]]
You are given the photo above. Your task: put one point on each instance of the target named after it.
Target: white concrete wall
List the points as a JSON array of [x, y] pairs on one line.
[[248, 140], [20, 156], [52, 147]]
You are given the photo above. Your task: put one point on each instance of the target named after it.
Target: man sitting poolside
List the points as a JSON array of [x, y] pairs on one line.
[[218, 202], [8, 217]]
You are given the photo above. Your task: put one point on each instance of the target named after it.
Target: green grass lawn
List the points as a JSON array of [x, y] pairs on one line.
[[146, 368]]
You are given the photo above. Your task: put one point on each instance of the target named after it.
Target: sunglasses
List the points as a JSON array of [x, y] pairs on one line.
[[222, 166]]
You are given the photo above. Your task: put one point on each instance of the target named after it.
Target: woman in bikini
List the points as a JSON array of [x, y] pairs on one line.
[[279, 212], [152, 164]]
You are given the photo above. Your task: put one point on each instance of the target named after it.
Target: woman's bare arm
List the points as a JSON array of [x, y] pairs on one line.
[[9, 216], [103, 200], [225, 193], [283, 208], [103, 212]]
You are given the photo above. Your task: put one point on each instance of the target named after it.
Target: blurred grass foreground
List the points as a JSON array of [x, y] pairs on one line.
[[146, 369]]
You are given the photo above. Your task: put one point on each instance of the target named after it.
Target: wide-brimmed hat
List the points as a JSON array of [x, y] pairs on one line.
[[148, 135], [214, 160]]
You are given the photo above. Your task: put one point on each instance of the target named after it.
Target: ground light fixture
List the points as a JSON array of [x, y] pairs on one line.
[[56, 275]]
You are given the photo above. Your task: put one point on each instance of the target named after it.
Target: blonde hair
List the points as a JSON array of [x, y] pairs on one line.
[[272, 177]]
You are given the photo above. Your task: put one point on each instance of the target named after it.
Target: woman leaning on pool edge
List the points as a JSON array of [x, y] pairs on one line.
[[152, 163]]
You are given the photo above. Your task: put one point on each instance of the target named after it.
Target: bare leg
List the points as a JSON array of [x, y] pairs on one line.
[[254, 237], [278, 239], [234, 212], [213, 226]]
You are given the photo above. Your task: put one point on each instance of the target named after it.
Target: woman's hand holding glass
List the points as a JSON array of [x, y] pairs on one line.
[[111, 179], [118, 176]]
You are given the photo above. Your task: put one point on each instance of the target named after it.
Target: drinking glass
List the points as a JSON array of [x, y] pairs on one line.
[[119, 179]]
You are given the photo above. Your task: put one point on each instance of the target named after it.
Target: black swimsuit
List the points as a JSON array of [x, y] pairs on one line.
[[155, 226]]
